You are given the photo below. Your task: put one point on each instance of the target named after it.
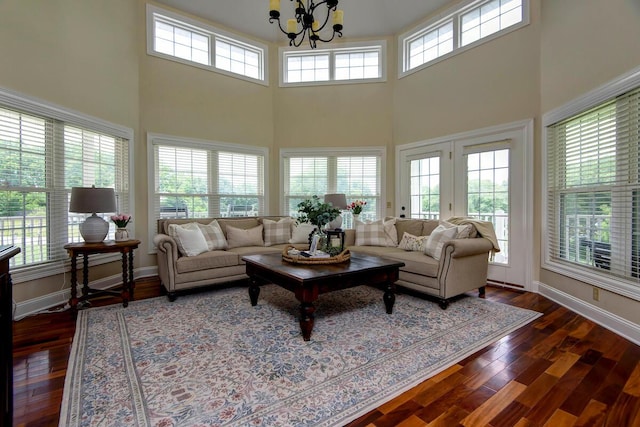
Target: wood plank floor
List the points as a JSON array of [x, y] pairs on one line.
[[560, 370]]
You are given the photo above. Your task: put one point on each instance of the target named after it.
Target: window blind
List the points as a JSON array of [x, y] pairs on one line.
[[593, 192], [200, 182], [356, 176]]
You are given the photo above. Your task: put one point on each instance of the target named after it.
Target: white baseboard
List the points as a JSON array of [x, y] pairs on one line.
[[617, 324], [46, 302]]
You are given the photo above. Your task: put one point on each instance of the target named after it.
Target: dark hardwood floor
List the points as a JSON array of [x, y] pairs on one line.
[[560, 370]]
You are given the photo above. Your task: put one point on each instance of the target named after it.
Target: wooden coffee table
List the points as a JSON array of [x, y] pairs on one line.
[[307, 281]]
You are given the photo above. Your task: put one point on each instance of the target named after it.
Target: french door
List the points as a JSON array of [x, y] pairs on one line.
[[483, 175]]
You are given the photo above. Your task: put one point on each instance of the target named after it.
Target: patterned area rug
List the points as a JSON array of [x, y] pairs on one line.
[[212, 359]]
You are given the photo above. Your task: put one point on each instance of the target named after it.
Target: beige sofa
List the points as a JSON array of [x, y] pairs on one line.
[[462, 265]]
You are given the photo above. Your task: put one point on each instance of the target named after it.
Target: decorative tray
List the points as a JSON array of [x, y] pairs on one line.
[[343, 256]]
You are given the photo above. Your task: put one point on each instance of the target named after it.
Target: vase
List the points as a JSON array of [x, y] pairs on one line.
[[122, 234], [356, 217], [321, 240]]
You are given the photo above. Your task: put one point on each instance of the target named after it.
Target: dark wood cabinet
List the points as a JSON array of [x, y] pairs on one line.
[[6, 323]]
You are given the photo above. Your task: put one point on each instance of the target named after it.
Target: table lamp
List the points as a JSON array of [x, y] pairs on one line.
[[93, 200], [338, 201]]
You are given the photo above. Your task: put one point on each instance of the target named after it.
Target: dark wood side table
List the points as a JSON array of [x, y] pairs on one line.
[[6, 324], [126, 248]]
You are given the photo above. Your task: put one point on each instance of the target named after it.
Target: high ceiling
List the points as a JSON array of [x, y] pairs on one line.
[[362, 18]]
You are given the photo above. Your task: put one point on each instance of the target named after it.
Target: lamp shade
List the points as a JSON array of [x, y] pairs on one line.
[[92, 200], [337, 200]]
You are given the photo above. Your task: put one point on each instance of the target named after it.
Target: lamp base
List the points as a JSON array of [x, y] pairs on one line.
[[336, 223], [94, 229]]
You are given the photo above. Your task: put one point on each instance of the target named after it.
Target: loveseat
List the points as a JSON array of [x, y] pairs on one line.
[[208, 251]]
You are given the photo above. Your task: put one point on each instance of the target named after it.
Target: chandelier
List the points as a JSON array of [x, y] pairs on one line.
[[309, 27]]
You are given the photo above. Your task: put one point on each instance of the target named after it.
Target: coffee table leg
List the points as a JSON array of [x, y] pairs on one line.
[[254, 291], [307, 311], [389, 297]]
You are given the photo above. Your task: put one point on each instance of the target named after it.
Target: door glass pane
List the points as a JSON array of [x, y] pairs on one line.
[[488, 194], [425, 188]]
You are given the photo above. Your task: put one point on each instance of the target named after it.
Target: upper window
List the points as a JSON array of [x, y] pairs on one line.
[[184, 40], [327, 66], [356, 173], [465, 26], [44, 152], [593, 192], [194, 179]]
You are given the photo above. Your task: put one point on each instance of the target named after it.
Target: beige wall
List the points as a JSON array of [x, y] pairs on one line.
[[585, 44], [80, 55], [91, 57]]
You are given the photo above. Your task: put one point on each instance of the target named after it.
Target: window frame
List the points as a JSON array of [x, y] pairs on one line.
[[453, 15], [335, 152], [49, 111], [155, 13], [156, 139], [379, 45], [592, 99]]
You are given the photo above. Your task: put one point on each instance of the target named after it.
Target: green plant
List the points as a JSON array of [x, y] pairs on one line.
[[316, 212]]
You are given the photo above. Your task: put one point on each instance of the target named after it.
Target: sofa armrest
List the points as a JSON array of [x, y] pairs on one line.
[[167, 245], [167, 257], [458, 248]]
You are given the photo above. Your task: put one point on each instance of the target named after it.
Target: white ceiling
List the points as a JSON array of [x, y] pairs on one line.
[[362, 18]]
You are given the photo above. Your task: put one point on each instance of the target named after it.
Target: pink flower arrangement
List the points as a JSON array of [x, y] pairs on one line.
[[121, 220], [356, 207]]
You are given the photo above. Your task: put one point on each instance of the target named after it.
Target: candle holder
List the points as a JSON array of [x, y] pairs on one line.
[[335, 239]]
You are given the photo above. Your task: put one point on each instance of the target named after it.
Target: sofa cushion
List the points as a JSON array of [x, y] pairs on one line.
[[300, 233], [276, 232], [255, 250], [189, 238], [411, 226], [237, 237], [409, 242], [243, 223], [437, 239], [206, 261], [414, 262], [213, 235], [371, 234]]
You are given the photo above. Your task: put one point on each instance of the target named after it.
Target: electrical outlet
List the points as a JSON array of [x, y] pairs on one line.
[[596, 294], [388, 205]]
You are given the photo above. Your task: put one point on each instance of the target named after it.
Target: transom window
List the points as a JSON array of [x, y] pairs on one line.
[[346, 65], [466, 25], [357, 174], [181, 39]]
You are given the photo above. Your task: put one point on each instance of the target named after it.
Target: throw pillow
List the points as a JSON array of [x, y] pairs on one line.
[[300, 233], [214, 236], [238, 237], [409, 242], [464, 231], [189, 238], [390, 232], [437, 240], [276, 232], [371, 234]]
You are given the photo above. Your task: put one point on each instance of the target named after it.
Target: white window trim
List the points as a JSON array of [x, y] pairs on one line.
[[452, 14], [339, 152], [43, 108], [154, 139], [214, 33], [380, 45], [610, 90]]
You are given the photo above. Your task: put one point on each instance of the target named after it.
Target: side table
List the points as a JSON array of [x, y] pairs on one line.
[[126, 248]]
